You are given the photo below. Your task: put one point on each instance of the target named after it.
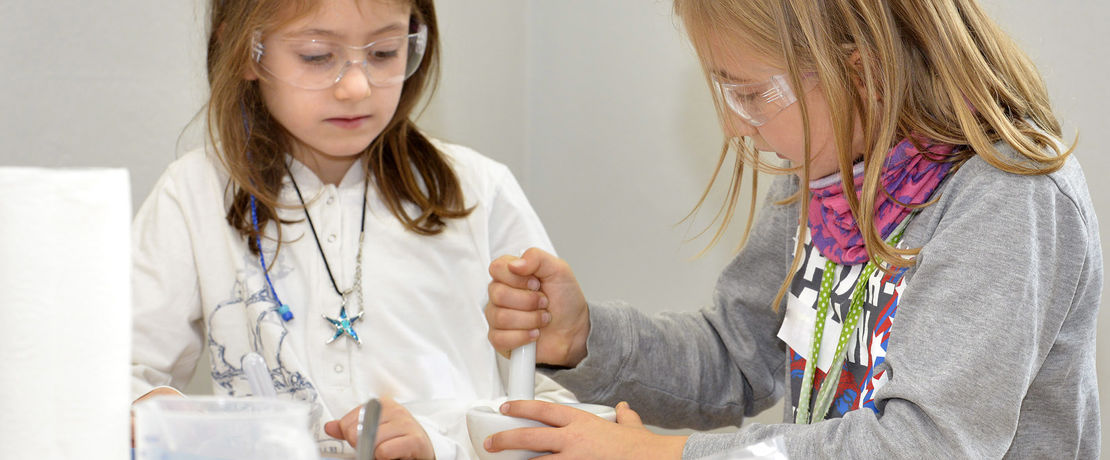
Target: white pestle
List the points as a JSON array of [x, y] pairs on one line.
[[482, 421], [522, 372]]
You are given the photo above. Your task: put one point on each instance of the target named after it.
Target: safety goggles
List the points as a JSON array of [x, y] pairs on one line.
[[758, 103], [320, 64]]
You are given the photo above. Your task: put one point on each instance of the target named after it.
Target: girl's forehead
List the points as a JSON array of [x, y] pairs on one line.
[[737, 61], [340, 17]]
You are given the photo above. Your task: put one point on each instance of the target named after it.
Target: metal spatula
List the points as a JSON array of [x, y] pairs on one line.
[[368, 429]]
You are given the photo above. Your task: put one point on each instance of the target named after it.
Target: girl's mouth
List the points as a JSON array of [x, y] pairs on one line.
[[348, 122]]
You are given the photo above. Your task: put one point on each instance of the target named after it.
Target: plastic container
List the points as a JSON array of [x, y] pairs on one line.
[[208, 428]]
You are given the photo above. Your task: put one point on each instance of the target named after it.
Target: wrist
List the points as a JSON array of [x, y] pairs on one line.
[[672, 446], [578, 350]]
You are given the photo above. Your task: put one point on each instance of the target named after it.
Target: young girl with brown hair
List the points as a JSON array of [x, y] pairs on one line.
[[921, 282], [324, 231]]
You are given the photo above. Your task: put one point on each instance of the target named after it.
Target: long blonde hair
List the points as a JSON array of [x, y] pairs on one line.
[[942, 70], [252, 145]]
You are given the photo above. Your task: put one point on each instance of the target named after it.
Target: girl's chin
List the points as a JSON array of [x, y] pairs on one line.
[[338, 154]]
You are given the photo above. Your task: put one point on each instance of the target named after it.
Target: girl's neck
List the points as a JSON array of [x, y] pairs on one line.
[[834, 177], [330, 169]]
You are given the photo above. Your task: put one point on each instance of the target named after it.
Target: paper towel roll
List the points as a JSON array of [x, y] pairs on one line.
[[65, 313]]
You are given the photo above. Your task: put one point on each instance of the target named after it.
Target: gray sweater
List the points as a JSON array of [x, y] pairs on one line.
[[992, 353]]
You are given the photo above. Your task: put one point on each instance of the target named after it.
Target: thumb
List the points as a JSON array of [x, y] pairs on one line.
[[537, 262], [627, 416], [333, 430]]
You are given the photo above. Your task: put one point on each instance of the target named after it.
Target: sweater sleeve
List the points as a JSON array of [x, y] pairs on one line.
[[702, 369], [166, 312], [981, 311]]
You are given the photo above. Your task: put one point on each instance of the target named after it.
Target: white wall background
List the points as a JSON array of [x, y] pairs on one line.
[[598, 106]]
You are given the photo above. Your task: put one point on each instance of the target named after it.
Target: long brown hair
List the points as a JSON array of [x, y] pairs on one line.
[[942, 69], [402, 163]]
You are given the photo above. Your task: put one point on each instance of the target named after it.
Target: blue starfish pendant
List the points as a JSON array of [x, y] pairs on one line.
[[344, 326]]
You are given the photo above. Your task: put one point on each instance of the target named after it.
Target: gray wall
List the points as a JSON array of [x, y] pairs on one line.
[[598, 106], [99, 83]]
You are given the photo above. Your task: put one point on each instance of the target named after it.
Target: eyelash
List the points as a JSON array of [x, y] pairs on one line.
[[385, 54], [316, 59], [324, 59]]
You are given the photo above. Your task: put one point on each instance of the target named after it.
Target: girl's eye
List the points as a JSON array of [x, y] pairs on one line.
[[317, 59], [747, 98], [383, 55]]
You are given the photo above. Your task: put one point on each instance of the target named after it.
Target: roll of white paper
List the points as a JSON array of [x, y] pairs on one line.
[[65, 313]]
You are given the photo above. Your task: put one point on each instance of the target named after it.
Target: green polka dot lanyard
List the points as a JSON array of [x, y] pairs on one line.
[[829, 385]]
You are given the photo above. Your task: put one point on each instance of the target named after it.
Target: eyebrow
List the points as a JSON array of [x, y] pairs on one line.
[[333, 34], [730, 77]]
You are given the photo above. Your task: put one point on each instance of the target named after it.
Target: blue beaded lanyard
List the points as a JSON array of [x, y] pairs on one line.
[[282, 308]]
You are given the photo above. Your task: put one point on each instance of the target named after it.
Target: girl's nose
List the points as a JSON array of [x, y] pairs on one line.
[[353, 85]]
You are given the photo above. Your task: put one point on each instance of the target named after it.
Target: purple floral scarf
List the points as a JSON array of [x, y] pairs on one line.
[[909, 176]]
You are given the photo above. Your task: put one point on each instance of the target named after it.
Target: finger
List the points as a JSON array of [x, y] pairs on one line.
[[391, 408], [400, 434], [345, 428], [534, 439], [398, 447], [627, 416], [506, 296], [507, 319], [556, 415], [350, 433], [503, 341], [395, 421], [536, 262], [332, 429], [391, 429], [500, 271], [159, 392]]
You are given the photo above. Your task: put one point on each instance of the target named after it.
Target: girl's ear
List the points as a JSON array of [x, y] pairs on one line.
[[855, 61], [248, 72]]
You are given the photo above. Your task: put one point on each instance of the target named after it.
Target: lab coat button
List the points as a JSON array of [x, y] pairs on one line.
[[338, 368]]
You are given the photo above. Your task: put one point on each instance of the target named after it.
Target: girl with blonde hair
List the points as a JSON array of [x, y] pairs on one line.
[[322, 230], [922, 280]]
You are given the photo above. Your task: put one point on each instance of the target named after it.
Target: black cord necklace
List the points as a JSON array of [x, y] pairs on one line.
[[343, 324]]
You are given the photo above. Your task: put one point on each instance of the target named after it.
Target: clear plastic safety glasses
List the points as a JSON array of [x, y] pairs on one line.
[[758, 103], [320, 64]]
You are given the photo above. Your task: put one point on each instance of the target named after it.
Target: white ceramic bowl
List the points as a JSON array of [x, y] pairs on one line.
[[483, 421]]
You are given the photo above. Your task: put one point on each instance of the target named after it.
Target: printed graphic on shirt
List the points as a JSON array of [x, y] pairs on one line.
[[248, 321], [863, 371]]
